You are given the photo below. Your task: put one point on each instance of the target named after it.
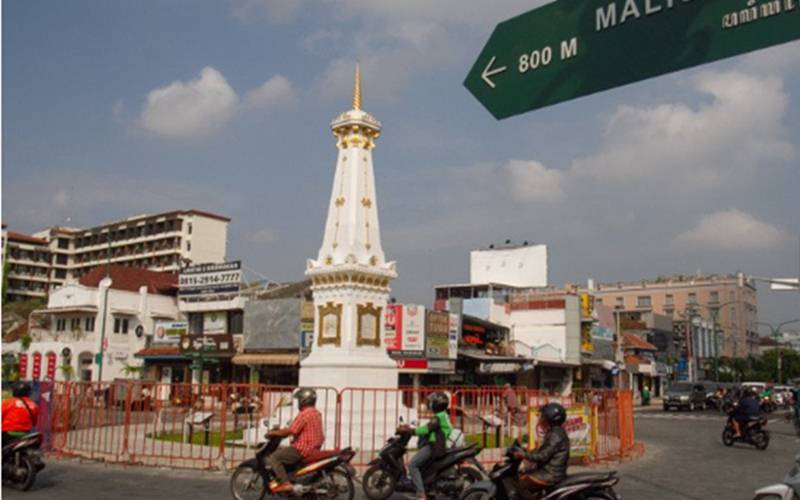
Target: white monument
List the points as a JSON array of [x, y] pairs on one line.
[[350, 277]]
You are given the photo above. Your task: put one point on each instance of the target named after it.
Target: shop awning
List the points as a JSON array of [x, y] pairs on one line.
[[498, 364], [275, 359], [67, 309], [161, 353]]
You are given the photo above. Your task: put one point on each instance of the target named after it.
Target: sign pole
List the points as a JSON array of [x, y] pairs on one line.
[[105, 311]]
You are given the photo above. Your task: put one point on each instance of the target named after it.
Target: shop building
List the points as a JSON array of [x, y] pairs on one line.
[[67, 336]]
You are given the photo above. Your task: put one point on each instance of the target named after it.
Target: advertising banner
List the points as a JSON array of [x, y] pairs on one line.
[[210, 279], [215, 322], [437, 338], [393, 327], [453, 334], [605, 327], [579, 426], [413, 333], [169, 332], [195, 344]]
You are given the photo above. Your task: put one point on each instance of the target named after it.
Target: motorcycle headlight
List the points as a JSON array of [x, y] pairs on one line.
[[684, 398]]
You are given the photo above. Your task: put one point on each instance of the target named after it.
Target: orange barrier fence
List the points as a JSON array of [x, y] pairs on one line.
[[216, 426]]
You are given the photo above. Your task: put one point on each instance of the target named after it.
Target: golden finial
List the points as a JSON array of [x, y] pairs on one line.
[[357, 89]]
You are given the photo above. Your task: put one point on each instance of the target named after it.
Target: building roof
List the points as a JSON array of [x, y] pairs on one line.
[[631, 359], [631, 341], [170, 350], [137, 218], [16, 333], [24, 238], [132, 279]]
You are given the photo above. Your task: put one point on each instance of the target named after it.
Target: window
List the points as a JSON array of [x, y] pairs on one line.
[[61, 258], [63, 243], [121, 325], [75, 324], [620, 301], [644, 301], [669, 312], [598, 301], [235, 322], [714, 297], [61, 325], [669, 300], [733, 314], [188, 246], [693, 298], [189, 228], [195, 323], [61, 274]]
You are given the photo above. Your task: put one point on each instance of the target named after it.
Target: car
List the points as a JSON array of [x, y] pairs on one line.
[[685, 396]]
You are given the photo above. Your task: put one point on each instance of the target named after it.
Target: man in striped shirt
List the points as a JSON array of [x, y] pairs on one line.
[[307, 438]]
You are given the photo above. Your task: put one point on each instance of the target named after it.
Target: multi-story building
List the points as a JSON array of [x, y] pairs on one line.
[[728, 303], [29, 263], [158, 242]]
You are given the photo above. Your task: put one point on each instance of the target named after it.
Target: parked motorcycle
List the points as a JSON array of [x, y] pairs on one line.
[[22, 460], [753, 433], [503, 483], [326, 474], [788, 490], [445, 477]]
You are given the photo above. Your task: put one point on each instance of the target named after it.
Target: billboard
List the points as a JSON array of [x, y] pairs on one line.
[[210, 279], [170, 332], [215, 322], [454, 331], [524, 266], [437, 338], [413, 332], [393, 327]]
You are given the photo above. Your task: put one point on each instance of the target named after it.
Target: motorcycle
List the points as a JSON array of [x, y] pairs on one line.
[[445, 477], [767, 405], [326, 474], [22, 460], [753, 433], [503, 483], [788, 490]]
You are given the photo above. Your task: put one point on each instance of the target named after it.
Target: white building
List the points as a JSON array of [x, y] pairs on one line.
[[66, 336]]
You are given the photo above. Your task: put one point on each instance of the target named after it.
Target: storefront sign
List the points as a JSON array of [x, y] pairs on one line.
[[393, 327], [413, 333], [170, 332], [412, 364], [453, 334], [579, 426], [210, 279], [215, 322], [437, 338], [218, 343], [499, 367]]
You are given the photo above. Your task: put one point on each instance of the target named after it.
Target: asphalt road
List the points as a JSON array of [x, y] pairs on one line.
[[685, 459]]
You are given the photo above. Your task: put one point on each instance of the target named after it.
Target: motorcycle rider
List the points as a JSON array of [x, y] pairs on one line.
[[307, 438], [20, 413], [747, 408], [551, 458], [432, 438]]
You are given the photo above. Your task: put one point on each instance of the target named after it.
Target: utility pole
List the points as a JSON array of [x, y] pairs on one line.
[[105, 310]]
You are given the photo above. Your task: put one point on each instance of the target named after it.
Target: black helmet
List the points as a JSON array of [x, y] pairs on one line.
[[438, 402], [21, 390], [554, 414], [306, 397]]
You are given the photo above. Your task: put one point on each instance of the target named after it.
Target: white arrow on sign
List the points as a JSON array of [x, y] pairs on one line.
[[785, 284], [487, 72]]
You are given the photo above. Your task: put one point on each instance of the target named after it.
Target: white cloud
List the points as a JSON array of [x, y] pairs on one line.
[[275, 11], [530, 181], [196, 108], [721, 144], [731, 230], [275, 91]]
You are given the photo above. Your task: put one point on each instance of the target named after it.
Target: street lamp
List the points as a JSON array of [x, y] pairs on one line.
[[775, 331]]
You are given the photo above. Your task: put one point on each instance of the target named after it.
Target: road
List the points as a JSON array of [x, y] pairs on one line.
[[685, 459]]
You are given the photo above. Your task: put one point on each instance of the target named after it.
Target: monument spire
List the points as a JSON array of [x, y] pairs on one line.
[[357, 89]]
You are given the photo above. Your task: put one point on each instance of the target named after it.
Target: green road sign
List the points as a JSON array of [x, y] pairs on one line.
[[572, 48]]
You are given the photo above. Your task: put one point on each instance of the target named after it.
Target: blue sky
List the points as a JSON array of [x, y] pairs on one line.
[[112, 108]]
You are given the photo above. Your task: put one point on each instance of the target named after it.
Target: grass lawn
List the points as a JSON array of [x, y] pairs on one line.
[[199, 437], [490, 440]]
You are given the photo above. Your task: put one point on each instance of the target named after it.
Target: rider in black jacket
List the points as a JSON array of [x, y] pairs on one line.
[[551, 458]]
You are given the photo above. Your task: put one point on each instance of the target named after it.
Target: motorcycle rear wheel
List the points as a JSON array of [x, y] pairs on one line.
[[378, 483], [27, 474], [247, 483], [761, 440], [608, 494], [727, 437], [342, 486]]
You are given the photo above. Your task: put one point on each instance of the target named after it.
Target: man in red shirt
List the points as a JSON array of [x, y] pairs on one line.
[[307, 438], [19, 413]]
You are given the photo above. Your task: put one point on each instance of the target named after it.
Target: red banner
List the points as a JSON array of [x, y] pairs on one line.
[[51, 366], [23, 366], [37, 365], [393, 327]]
